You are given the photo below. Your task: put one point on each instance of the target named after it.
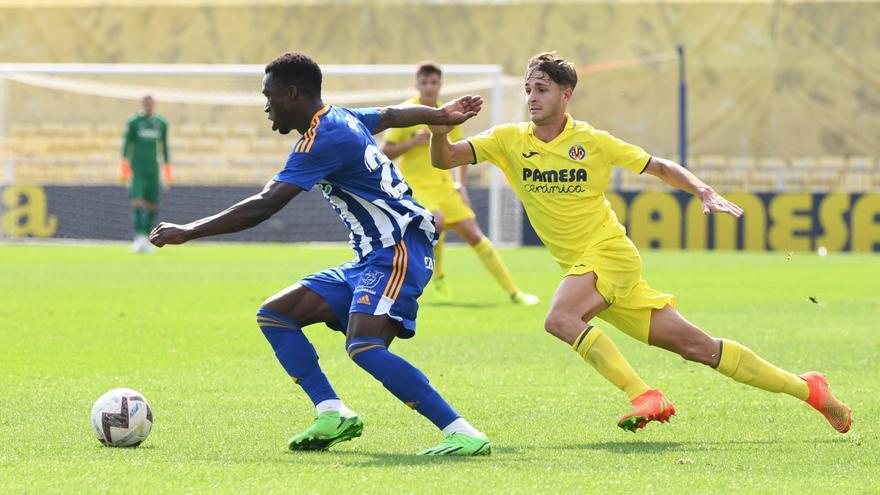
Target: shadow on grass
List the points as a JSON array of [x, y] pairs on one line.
[[353, 458], [641, 447], [357, 458]]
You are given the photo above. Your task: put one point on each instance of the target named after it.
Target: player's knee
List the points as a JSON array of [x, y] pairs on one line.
[[265, 306], [261, 315], [559, 324], [277, 303], [267, 317], [361, 349]]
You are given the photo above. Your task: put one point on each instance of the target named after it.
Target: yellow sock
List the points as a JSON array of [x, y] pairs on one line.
[[438, 257], [599, 350], [743, 365], [492, 261]]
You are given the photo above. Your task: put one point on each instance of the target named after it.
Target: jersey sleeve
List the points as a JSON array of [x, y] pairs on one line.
[[306, 167], [368, 116], [127, 139], [488, 145], [625, 155]]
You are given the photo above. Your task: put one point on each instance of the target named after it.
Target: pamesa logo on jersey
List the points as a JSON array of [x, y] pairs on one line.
[[565, 181]]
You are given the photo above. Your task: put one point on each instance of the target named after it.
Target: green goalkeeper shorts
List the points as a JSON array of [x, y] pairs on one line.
[[144, 187]]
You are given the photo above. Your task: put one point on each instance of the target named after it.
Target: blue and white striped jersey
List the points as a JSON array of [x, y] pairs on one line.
[[339, 155]]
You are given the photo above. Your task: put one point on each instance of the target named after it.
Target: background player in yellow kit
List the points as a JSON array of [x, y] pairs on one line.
[[438, 192], [559, 167]]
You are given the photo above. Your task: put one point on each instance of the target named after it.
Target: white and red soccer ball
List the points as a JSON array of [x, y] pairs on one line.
[[122, 418]]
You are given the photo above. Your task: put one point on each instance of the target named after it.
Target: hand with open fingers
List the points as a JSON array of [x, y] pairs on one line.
[[715, 203], [169, 233], [461, 109]]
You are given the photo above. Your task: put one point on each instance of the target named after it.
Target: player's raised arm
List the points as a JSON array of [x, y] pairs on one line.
[[455, 112], [677, 176], [446, 154], [243, 215]]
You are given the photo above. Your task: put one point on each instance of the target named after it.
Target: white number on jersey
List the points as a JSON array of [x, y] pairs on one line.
[[392, 182]]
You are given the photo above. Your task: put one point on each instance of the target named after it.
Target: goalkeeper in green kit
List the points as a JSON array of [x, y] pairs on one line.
[[145, 133]]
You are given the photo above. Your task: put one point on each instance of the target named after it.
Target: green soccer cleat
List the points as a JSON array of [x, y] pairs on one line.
[[329, 428], [520, 297], [441, 290], [460, 444]]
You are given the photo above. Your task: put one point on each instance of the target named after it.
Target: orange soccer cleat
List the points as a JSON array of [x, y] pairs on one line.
[[650, 406], [837, 413]]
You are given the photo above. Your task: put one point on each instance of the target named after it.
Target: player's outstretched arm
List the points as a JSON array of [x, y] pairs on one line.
[[455, 112], [677, 176], [445, 154], [240, 216]]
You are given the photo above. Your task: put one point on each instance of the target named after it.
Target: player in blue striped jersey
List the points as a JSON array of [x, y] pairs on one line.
[[371, 299], [338, 154]]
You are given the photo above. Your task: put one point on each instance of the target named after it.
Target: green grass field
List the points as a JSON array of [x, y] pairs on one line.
[[179, 327]]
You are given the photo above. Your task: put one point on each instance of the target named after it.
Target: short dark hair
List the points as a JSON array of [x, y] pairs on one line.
[[428, 68], [557, 69], [297, 69]]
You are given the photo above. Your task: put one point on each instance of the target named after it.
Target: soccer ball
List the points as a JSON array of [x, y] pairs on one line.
[[122, 418]]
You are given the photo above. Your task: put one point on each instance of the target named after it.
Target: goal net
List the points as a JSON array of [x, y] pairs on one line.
[[61, 131]]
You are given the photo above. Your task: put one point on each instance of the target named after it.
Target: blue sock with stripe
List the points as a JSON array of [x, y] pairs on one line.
[[402, 379], [296, 354]]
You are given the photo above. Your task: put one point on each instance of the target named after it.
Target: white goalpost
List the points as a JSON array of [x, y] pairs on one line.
[[61, 124]]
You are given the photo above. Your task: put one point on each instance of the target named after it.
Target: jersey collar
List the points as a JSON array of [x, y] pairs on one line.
[[319, 113], [417, 100], [569, 125]]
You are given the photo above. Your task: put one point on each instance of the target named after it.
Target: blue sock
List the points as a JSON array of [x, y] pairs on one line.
[[296, 354], [402, 379]]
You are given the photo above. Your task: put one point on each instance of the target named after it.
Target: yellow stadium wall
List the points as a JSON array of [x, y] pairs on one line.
[[781, 79]]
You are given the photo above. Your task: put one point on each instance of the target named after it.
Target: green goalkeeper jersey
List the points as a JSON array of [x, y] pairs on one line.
[[143, 137]]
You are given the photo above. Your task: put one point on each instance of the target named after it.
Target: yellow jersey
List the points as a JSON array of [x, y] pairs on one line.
[[416, 162], [562, 183]]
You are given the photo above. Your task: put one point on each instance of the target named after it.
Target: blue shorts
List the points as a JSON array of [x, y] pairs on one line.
[[387, 281]]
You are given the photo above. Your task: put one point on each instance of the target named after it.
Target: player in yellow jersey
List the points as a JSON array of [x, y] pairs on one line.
[[438, 192], [559, 167]]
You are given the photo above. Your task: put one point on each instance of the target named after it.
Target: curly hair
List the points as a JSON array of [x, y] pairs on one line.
[[297, 69]]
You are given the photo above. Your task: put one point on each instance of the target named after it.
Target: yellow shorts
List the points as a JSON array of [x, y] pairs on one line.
[[618, 269], [446, 200]]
